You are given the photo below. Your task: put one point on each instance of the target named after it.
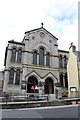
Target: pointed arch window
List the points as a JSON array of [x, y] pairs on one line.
[[13, 56], [35, 57], [48, 59], [19, 56], [17, 80], [41, 56], [11, 76], [65, 62]]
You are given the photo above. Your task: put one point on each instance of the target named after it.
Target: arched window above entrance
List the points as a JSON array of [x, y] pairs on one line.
[[33, 80]]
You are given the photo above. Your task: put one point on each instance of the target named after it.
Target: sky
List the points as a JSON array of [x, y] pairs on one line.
[[60, 17]]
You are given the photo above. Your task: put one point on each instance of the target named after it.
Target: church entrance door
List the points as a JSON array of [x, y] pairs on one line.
[[32, 82], [49, 86]]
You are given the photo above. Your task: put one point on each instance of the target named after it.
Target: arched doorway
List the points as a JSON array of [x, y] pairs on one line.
[[32, 81], [49, 86]]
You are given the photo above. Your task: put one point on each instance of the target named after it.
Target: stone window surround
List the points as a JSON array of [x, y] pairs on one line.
[[15, 69], [19, 56], [17, 78], [64, 74], [17, 49], [13, 55], [45, 53], [63, 56]]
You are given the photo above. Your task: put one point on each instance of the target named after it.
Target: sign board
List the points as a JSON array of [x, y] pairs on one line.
[[73, 89]]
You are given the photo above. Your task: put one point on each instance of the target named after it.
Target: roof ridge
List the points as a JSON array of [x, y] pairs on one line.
[[39, 29]]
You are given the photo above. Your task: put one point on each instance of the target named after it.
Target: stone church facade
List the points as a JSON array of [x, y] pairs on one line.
[[36, 61]]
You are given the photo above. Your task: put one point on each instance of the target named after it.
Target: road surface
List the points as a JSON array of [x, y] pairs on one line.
[[44, 112]]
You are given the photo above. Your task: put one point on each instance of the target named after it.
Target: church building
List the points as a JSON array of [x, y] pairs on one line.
[[36, 62]]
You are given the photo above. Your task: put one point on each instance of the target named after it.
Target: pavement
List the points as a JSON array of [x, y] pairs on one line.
[[48, 107], [24, 102]]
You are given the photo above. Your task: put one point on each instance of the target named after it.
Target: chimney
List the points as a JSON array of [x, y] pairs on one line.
[[72, 47]]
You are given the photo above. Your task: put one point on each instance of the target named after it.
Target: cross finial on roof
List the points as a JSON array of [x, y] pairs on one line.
[[42, 24]]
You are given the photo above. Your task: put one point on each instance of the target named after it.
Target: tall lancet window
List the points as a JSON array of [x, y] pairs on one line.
[[11, 76], [19, 56], [65, 62], [60, 61], [48, 59], [13, 56], [35, 57], [41, 56], [17, 80]]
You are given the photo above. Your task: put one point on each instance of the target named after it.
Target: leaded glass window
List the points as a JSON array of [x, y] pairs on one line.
[[11, 76], [17, 80], [13, 56], [34, 57], [48, 59], [41, 56], [19, 56]]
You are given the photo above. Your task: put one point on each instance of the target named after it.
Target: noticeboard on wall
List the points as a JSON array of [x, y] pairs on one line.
[[73, 89]]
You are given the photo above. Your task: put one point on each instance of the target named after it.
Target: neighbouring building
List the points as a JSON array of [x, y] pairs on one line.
[[73, 71], [36, 61], [63, 81], [1, 81]]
